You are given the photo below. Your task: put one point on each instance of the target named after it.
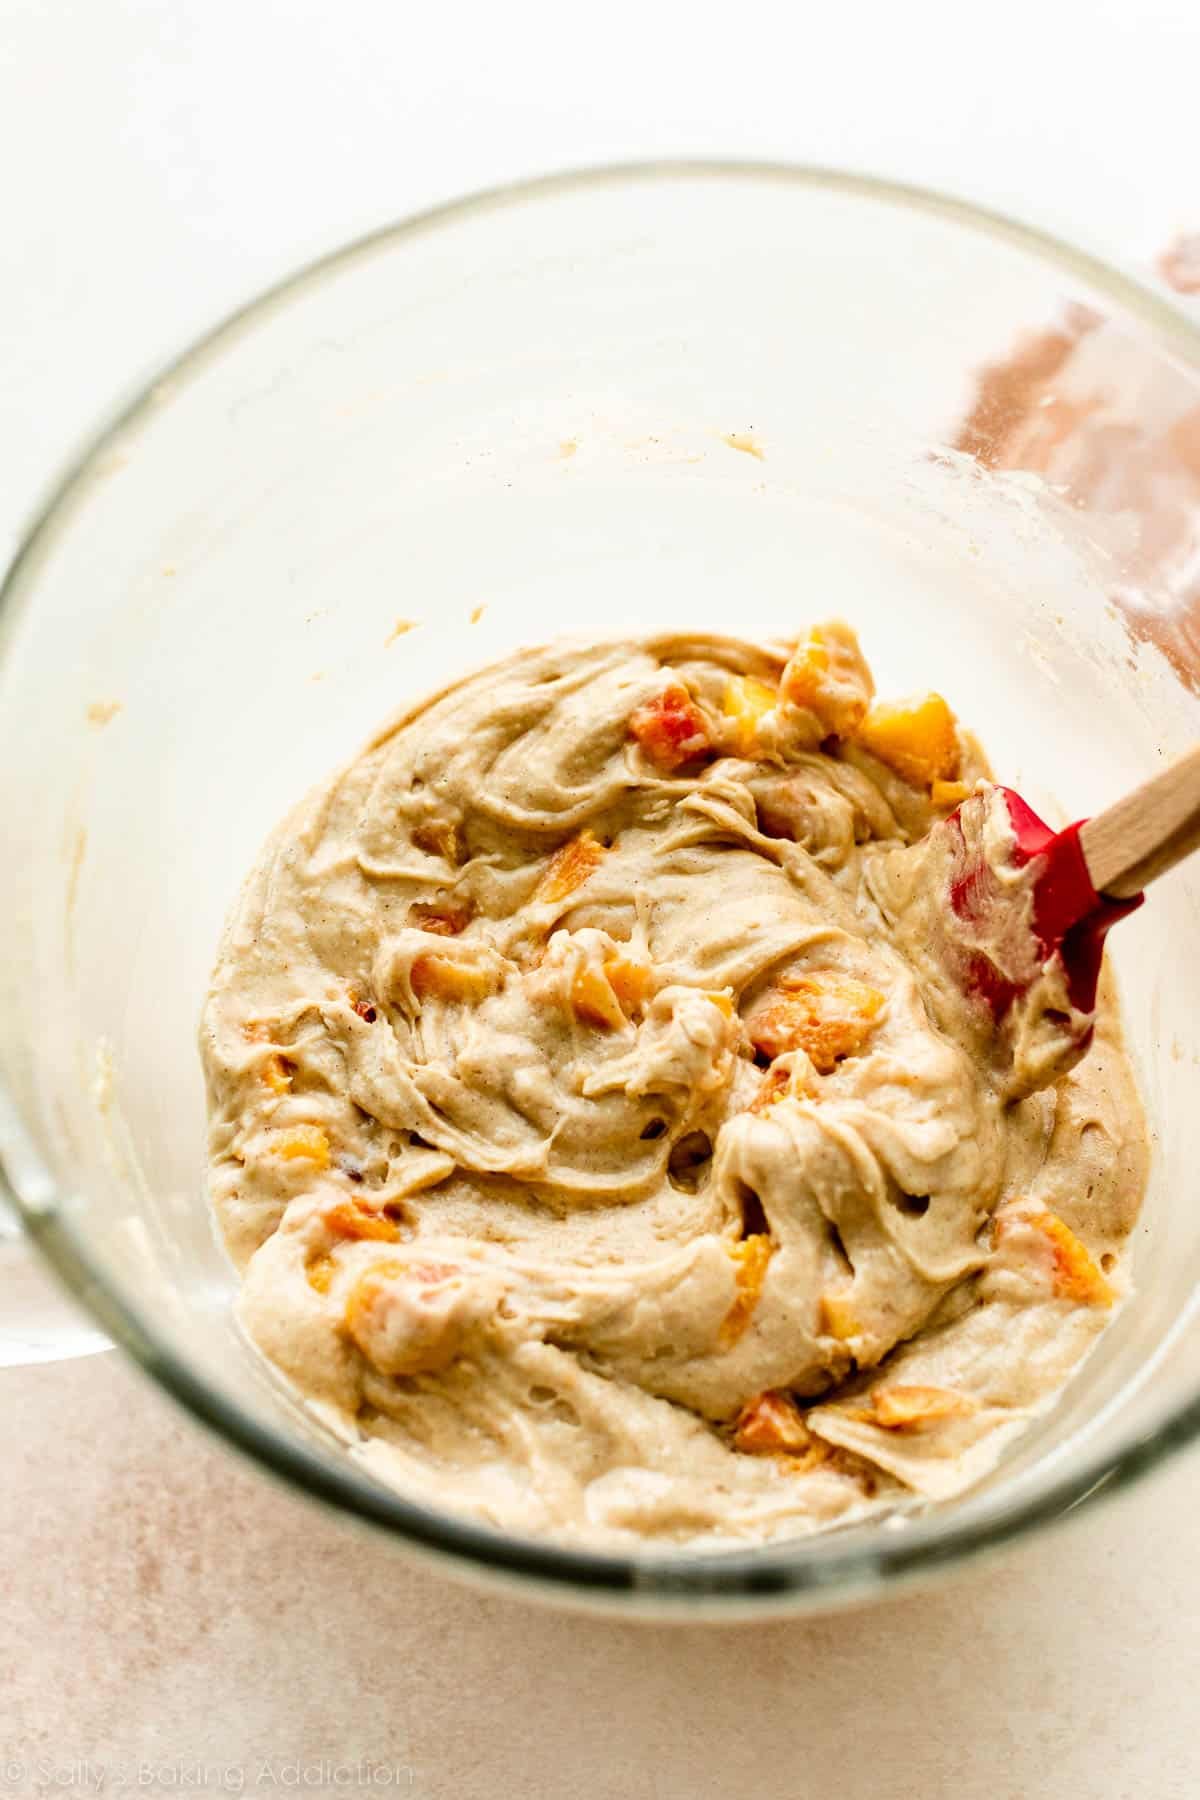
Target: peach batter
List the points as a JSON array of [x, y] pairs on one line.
[[596, 1133]]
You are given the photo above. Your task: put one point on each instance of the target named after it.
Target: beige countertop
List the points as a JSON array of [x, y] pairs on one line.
[[173, 1618]]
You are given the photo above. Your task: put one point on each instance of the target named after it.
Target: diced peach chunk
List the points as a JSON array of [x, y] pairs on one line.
[[569, 868], [746, 702], [320, 1273], [364, 1300], [750, 1258], [594, 1000], [630, 981], [773, 1087], [671, 729], [826, 1014], [829, 677], [606, 997], [445, 918], [911, 1408], [353, 1219], [305, 1143], [838, 1318], [445, 978], [1076, 1275], [1073, 1273], [948, 794], [772, 1425], [439, 837], [393, 1328], [917, 738], [275, 1071], [722, 1002]]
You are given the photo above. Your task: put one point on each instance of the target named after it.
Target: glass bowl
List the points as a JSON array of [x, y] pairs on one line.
[[737, 398]]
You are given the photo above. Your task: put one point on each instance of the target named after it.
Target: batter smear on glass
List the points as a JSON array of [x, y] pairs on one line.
[[600, 1134]]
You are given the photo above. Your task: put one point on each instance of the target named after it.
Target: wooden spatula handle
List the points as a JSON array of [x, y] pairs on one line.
[[1147, 832]]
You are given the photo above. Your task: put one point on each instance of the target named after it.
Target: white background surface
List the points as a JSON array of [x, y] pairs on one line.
[[164, 159], [161, 160]]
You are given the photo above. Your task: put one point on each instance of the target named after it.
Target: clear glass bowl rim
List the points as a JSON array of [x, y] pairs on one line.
[[785, 1576]]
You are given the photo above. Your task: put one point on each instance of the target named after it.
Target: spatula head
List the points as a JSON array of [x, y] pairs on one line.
[[1025, 929]]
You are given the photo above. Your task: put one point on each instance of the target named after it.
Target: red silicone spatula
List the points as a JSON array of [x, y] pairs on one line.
[[1029, 907]]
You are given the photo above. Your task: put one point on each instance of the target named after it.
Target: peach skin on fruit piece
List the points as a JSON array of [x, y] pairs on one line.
[[671, 729]]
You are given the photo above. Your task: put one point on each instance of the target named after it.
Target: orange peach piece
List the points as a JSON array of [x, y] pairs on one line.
[[445, 918], [917, 738], [351, 1219], [826, 1014], [569, 868], [1074, 1274], [423, 1350], [307, 1143], [320, 1273], [630, 982], [904, 1408], [838, 1319], [722, 1002], [439, 837], [594, 1000], [607, 998], [772, 1425], [746, 703], [750, 1257], [671, 729], [276, 1073], [444, 978], [828, 675], [368, 1292]]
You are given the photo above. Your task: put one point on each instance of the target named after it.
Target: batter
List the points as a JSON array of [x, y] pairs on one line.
[[598, 1134]]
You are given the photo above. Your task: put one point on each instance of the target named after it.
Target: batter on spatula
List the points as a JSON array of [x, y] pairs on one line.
[[601, 1140]]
